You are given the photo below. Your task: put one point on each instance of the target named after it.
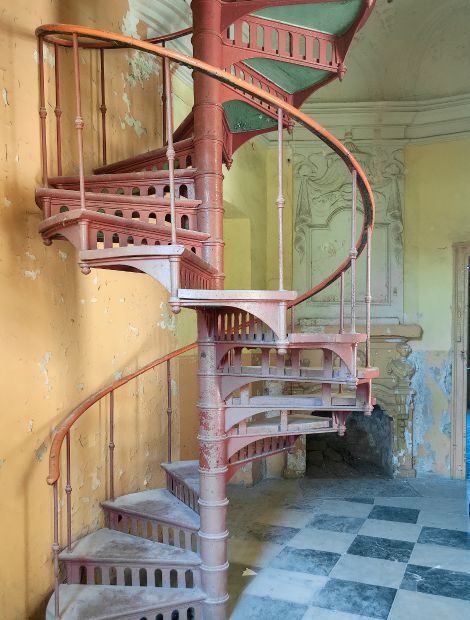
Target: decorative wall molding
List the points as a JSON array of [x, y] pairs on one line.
[[404, 122]]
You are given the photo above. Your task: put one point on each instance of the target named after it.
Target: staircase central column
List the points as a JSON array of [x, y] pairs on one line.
[[208, 131], [213, 502]]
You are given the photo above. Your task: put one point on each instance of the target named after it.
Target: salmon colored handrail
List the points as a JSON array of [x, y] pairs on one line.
[[164, 38], [219, 74], [64, 427]]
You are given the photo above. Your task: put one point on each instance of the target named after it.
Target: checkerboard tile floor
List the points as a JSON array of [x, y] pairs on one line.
[[350, 550]]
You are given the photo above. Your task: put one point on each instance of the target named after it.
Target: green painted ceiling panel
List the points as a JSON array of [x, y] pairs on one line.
[[243, 117], [287, 76], [329, 17]]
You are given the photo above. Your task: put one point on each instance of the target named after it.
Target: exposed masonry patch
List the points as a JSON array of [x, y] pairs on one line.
[[48, 56], [43, 366], [63, 255], [134, 330], [118, 375], [5, 97], [168, 320], [30, 255], [95, 481], [6, 202], [31, 274], [40, 452], [30, 426]]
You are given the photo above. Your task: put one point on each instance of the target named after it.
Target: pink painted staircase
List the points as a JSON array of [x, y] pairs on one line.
[[163, 552]]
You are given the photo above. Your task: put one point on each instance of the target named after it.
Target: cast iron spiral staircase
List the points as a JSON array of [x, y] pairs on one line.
[[163, 552]]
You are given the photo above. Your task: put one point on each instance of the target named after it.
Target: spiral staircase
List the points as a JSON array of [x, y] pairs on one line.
[[163, 554]]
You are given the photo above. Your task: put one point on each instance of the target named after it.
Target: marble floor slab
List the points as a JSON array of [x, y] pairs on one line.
[[318, 613], [417, 606], [286, 585], [394, 513], [391, 529], [436, 581], [336, 523], [439, 556], [444, 537], [369, 570], [305, 561], [250, 607], [356, 598], [310, 538], [381, 548]]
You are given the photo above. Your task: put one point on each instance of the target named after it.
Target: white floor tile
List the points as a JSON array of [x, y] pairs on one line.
[[445, 520], [391, 529], [343, 508], [322, 540], [286, 517], [318, 613], [417, 606], [439, 556], [369, 570], [286, 585]]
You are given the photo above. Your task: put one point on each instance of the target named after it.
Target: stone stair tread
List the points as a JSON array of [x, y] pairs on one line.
[[119, 547], [295, 423], [284, 402], [91, 602], [226, 295], [185, 471], [122, 176], [156, 504], [287, 372], [323, 337]]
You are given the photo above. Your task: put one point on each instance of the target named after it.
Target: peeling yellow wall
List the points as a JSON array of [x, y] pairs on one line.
[[437, 206], [65, 335]]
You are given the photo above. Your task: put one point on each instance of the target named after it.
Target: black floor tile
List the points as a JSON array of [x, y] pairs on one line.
[[447, 538], [336, 523], [382, 548], [250, 607], [355, 598], [436, 581], [392, 513], [306, 561], [359, 500]]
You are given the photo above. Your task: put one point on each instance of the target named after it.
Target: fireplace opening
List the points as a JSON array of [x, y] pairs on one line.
[[364, 451]]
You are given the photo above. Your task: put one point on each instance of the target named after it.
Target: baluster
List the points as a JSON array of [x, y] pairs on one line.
[[169, 410], [58, 110], [78, 119], [42, 112], [111, 445], [368, 298], [56, 550], [164, 100], [280, 202], [170, 153], [353, 256], [103, 107], [341, 304], [68, 491]]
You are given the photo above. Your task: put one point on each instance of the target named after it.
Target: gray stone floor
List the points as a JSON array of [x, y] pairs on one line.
[[350, 549]]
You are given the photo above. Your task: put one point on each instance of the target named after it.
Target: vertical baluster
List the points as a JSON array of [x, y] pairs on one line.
[[353, 252], [164, 100], [280, 200], [111, 445], [58, 110], [353, 256], [170, 153], [368, 298], [78, 119], [341, 304], [169, 410], [55, 551], [68, 491], [42, 112], [103, 107]]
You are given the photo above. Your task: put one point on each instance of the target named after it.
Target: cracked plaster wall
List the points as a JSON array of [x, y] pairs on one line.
[[436, 217], [65, 335]]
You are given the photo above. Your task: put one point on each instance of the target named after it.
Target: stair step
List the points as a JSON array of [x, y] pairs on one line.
[[151, 183], [111, 546], [82, 602], [295, 424], [156, 505], [183, 481], [287, 373], [153, 260]]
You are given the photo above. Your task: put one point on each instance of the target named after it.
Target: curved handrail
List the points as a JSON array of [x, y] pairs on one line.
[[117, 40], [64, 427], [162, 39]]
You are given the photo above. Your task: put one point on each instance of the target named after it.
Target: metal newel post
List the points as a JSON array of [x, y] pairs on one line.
[[42, 112], [368, 298], [280, 202], [169, 410], [111, 445], [78, 119], [58, 110], [170, 153], [103, 107], [68, 491]]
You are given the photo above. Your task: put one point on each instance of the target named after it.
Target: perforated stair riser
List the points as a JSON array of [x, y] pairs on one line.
[[182, 480], [108, 557]]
